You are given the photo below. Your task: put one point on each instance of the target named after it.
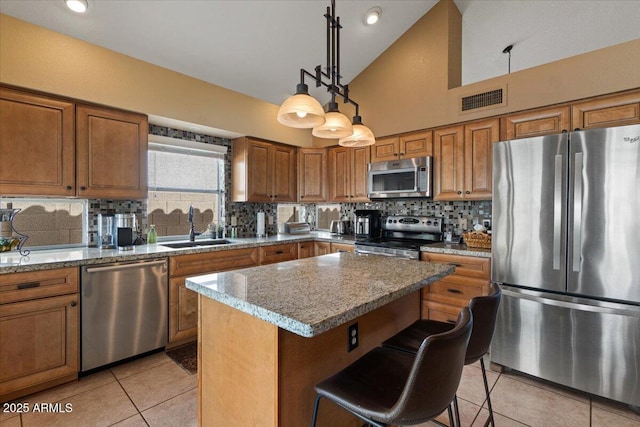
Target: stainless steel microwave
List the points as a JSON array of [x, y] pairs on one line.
[[400, 178]]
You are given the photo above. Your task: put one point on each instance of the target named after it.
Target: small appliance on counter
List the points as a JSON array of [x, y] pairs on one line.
[[342, 227], [106, 236], [368, 224], [124, 231], [297, 228]]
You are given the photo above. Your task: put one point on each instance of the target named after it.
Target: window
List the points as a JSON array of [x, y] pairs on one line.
[[182, 174]]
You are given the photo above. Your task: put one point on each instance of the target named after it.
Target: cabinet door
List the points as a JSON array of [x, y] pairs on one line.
[[322, 248], [530, 124], [385, 149], [339, 174], [305, 250], [312, 175], [259, 181], [416, 145], [111, 152], [183, 312], [283, 173], [478, 159], [619, 110], [39, 344], [37, 145], [359, 172], [448, 170]]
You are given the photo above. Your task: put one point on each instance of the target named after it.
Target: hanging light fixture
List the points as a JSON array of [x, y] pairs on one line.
[[303, 111]]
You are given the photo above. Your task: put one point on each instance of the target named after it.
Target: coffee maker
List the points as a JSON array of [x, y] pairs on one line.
[[106, 225], [368, 224], [124, 231]]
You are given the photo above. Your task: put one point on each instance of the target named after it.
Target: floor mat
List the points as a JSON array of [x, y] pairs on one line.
[[186, 356]]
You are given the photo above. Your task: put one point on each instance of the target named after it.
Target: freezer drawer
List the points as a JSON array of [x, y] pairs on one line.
[[589, 345]]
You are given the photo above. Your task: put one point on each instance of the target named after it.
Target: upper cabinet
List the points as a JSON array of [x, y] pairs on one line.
[[617, 110], [348, 174], [37, 145], [312, 175], [111, 153], [463, 157], [263, 171], [405, 146], [54, 147], [530, 124]]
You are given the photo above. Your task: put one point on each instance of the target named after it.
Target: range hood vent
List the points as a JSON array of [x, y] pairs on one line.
[[484, 100]]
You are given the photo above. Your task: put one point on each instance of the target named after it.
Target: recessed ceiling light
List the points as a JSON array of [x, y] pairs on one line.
[[78, 6], [372, 16]]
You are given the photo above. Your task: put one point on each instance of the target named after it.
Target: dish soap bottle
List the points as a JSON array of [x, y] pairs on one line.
[[152, 236]]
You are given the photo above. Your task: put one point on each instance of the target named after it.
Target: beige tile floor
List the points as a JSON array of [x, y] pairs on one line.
[[154, 391]]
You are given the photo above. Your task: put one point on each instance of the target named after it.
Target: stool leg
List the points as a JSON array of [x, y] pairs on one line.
[[486, 389], [315, 411], [451, 423], [456, 410]]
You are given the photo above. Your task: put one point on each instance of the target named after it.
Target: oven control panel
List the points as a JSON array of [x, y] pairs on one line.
[[415, 224]]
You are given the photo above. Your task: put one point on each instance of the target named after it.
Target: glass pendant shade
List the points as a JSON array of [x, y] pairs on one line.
[[336, 124], [361, 137], [301, 110]]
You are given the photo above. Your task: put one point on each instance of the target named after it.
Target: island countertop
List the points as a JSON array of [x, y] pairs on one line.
[[313, 295]]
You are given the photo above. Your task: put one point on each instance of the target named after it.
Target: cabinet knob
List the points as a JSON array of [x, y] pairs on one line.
[[459, 192], [302, 197], [83, 188], [467, 192], [73, 303], [69, 187], [402, 154], [395, 154]]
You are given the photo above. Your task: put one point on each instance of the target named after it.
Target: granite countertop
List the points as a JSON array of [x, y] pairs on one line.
[[456, 249], [13, 262], [313, 295]]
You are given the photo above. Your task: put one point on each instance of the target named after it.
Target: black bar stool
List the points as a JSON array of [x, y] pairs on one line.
[[387, 386], [485, 311]]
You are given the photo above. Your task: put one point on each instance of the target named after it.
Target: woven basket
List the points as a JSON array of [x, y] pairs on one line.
[[477, 239]]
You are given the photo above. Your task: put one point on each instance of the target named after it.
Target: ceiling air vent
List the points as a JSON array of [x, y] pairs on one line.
[[481, 100]]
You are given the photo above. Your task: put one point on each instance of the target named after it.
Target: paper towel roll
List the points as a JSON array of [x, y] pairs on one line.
[[260, 225]]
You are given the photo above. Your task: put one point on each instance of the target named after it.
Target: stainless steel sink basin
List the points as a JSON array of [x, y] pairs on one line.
[[195, 244]]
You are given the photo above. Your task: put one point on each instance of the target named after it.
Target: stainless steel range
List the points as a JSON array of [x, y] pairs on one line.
[[402, 236]]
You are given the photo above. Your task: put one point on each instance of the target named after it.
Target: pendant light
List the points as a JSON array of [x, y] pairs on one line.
[[303, 111], [361, 136]]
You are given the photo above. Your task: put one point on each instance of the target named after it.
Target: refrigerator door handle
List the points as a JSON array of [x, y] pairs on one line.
[[557, 211], [577, 211]]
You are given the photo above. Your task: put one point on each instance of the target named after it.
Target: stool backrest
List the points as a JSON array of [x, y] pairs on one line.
[[485, 311], [435, 374]]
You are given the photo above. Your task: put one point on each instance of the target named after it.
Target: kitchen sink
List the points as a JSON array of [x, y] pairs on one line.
[[196, 243]]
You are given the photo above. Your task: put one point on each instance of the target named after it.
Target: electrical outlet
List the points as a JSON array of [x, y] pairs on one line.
[[463, 223], [486, 223], [270, 219], [234, 221], [353, 338]]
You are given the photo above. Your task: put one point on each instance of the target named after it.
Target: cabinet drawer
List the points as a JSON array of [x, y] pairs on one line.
[[38, 284], [210, 262], [278, 253], [465, 265], [342, 247], [440, 312], [451, 292]]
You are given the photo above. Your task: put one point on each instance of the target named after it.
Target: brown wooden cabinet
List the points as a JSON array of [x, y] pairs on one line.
[[529, 124], [443, 299], [263, 171], [183, 302], [418, 144], [342, 247], [348, 174], [305, 250], [37, 144], [609, 111], [321, 248], [463, 158], [278, 253], [39, 331], [111, 153], [312, 175], [58, 148]]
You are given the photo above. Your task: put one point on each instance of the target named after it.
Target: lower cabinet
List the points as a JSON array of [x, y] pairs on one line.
[[278, 253], [183, 302], [305, 250], [321, 248], [444, 299], [39, 331]]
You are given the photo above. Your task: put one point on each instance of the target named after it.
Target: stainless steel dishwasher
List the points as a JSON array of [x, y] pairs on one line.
[[124, 311]]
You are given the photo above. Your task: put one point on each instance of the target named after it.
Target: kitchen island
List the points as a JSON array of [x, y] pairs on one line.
[[268, 334]]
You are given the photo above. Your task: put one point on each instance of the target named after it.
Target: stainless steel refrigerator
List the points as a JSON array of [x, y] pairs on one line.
[[566, 248]]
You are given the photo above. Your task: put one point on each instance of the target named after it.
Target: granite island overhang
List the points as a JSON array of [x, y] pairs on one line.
[[268, 334]]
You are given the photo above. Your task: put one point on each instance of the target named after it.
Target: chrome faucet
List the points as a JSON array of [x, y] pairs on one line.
[[192, 231]]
